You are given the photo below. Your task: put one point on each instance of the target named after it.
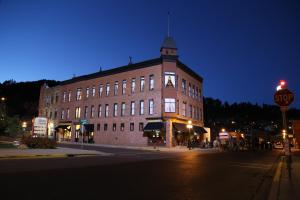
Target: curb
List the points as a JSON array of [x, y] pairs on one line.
[[45, 156], [273, 195]]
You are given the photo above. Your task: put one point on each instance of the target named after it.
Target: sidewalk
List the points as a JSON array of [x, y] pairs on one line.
[[147, 148], [47, 153], [289, 188]]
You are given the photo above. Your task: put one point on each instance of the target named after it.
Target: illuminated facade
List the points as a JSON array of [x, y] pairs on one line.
[[121, 106]]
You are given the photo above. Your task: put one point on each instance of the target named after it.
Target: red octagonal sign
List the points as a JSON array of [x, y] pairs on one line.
[[283, 97]]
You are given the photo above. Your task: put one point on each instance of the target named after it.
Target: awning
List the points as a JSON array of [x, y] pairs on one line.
[[154, 126], [199, 129], [64, 127], [89, 127], [180, 127]]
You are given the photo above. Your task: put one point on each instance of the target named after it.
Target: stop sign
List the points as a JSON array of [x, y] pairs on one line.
[[284, 97]]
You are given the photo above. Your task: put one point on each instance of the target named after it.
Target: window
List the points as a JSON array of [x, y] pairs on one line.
[[106, 110], [193, 91], [68, 113], [122, 127], [50, 115], [77, 112], [116, 87], [141, 107], [124, 87], [114, 127], [56, 97], [142, 84], [87, 93], [170, 80], [132, 85], [151, 82], [191, 111], [141, 126], [64, 96], [105, 127], [69, 95], [170, 105], [183, 86], [190, 90], [92, 111], [184, 109], [200, 95], [93, 91], [131, 126], [62, 114], [85, 111], [115, 110], [132, 108], [196, 93], [55, 114], [99, 110], [194, 112], [107, 89], [98, 127], [100, 90], [123, 109], [151, 107], [78, 94]]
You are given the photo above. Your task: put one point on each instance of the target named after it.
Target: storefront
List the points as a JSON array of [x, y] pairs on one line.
[[63, 132]]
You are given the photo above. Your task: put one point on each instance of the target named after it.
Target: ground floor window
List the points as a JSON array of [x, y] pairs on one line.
[[131, 126]]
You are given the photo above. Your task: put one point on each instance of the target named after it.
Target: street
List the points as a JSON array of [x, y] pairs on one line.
[[133, 174]]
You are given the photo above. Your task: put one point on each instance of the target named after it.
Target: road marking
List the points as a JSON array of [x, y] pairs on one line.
[[276, 180]]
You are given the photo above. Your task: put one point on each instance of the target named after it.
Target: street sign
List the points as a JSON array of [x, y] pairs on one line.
[[284, 97], [83, 121]]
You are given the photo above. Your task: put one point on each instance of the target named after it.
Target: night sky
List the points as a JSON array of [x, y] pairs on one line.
[[241, 48]]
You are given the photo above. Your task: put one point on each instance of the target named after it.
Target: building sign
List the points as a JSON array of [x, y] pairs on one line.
[[284, 97], [223, 135], [40, 125]]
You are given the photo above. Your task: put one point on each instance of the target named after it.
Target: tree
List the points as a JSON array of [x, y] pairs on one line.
[[13, 126]]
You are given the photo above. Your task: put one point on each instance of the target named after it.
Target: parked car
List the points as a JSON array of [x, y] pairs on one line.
[[278, 145]]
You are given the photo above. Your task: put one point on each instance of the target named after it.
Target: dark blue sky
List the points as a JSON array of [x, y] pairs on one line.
[[242, 48]]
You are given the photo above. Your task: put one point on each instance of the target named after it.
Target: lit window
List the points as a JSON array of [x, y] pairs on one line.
[[142, 84], [151, 82], [100, 90], [92, 111], [124, 87], [99, 110], [132, 108], [133, 85], [170, 80], [87, 92], [64, 96], [116, 87], [107, 89], [193, 91], [141, 107], [93, 91], [62, 114], [106, 110], [68, 113], [123, 109], [115, 109], [77, 112], [69, 95], [78, 94], [190, 90], [114, 127], [169, 105], [151, 107]]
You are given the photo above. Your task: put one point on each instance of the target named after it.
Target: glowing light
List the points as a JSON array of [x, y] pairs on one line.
[[223, 130], [282, 83], [278, 87]]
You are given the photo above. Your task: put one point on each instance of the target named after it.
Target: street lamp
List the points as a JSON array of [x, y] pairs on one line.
[[189, 126], [284, 133], [223, 130]]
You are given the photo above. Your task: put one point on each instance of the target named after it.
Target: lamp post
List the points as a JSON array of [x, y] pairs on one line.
[[2, 108], [189, 126]]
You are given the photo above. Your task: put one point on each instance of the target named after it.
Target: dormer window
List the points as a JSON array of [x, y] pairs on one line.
[[170, 80]]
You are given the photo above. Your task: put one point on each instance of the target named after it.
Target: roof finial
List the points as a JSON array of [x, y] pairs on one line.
[[130, 60], [168, 24]]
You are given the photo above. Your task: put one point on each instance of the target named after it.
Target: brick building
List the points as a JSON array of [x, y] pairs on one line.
[[296, 133], [120, 106]]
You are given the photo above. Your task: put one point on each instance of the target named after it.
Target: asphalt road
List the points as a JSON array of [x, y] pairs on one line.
[[141, 175]]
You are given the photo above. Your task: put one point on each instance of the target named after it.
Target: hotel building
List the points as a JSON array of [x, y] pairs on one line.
[[128, 105]]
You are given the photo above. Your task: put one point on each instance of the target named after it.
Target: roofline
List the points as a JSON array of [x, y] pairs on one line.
[[121, 69], [130, 67]]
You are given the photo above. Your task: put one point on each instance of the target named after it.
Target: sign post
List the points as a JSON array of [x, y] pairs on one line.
[[284, 97]]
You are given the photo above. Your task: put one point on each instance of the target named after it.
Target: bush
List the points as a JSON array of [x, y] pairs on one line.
[[38, 142]]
